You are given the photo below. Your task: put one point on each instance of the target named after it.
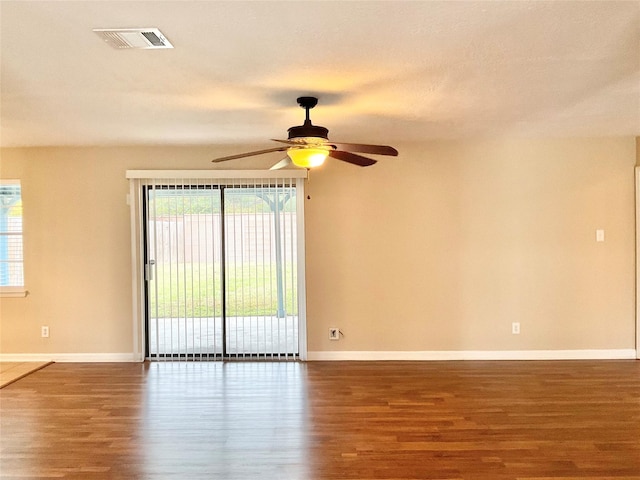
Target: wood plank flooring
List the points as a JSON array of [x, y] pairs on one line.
[[332, 420]]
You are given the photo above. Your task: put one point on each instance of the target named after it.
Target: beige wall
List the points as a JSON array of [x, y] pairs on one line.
[[438, 249]]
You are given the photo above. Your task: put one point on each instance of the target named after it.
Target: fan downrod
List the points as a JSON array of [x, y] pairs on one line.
[[307, 129]]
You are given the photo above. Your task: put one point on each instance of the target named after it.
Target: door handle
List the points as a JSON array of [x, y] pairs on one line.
[[148, 270]]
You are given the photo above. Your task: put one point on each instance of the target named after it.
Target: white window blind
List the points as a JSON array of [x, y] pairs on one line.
[[11, 237]]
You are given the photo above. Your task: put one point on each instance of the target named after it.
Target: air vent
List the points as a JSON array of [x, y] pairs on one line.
[[133, 37]]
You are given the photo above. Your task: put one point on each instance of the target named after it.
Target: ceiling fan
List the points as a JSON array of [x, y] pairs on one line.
[[308, 146]]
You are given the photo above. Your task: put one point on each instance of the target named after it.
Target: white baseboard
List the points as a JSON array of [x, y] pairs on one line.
[[438, 355], [617, 354], [69, 357]]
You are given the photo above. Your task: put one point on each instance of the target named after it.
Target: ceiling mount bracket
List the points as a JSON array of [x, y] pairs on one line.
[[307, 102]]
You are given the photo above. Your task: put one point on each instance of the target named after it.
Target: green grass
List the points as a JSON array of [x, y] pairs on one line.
[[194, 290]]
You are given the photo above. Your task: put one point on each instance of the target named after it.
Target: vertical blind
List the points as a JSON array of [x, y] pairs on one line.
[[221, 268]]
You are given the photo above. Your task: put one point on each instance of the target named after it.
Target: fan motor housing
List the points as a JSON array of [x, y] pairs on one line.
[[308, 130]]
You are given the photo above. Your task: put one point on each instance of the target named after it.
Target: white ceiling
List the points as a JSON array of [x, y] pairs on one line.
[[385, 72]]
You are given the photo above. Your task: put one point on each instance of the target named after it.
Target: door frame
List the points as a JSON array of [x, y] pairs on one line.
[[137, 178], [637, 259]]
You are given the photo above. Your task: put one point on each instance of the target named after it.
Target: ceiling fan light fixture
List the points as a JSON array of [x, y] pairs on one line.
[[308, 146], [308, 157]]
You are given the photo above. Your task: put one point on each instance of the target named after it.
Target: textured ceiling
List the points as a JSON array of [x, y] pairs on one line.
[[385, 72]]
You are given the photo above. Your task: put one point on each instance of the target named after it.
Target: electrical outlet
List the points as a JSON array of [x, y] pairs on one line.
[[334, 333], [44, 331], [515, 328]]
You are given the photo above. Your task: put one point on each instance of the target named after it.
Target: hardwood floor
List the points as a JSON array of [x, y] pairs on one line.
[[352, 420]]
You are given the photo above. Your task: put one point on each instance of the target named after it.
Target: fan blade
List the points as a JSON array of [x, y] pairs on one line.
[[249, 154], [362, 148], [288, 142], [286, 161], [352, 158], [353, 147]]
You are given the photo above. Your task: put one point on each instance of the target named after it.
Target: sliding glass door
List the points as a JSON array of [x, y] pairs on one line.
[[221, 270]]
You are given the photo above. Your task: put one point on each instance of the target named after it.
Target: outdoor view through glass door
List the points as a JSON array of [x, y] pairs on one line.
[[221, 270]]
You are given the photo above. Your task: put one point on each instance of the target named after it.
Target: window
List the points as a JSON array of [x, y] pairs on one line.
[[11, 260]]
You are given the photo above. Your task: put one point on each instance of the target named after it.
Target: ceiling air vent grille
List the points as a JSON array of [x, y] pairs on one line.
[[133, 37]]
